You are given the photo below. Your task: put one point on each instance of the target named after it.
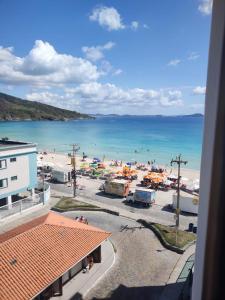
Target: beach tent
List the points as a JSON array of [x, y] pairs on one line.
[[172, 176], [96, 160], [155, 167], [194, 186], [41, 163], [167, 182]]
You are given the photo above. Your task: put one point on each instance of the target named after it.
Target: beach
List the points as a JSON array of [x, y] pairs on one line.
[[63, 161]]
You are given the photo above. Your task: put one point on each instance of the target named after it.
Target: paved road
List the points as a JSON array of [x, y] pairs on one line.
[[105, 221], [157, 212], [142, 265]]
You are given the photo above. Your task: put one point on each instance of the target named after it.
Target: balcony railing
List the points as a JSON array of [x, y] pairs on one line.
[[18, 207]]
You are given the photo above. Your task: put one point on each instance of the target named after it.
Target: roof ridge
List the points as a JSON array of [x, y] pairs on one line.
[[79, 228], [23, 227]]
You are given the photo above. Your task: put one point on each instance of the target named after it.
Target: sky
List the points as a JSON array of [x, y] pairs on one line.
[[122, 57]]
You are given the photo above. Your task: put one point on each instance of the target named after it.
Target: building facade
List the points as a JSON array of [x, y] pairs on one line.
[[18, 169]]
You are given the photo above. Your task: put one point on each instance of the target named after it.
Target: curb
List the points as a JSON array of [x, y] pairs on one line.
[[86, 209], [162, 240]]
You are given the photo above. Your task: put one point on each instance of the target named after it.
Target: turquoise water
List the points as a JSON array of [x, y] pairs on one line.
[[127, 138]]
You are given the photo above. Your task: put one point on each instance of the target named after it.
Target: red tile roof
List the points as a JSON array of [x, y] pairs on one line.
[[35, 254]]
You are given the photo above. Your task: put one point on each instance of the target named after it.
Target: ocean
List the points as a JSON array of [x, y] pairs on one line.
[[130, 138]]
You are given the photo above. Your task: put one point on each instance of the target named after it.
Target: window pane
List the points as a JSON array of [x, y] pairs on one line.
[[2, 164], [3, 183]]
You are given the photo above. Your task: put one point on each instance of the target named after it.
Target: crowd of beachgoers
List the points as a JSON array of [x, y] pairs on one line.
[[131, 170]]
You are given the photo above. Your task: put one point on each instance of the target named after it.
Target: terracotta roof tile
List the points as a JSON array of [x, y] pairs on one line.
[[33, 255]]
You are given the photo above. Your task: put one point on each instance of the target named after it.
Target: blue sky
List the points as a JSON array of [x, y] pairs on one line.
[[137, 57]]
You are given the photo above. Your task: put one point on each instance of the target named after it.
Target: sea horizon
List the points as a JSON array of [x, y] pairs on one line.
[[136, 138]]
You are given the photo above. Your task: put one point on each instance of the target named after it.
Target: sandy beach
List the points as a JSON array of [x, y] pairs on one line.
[[63, 161]]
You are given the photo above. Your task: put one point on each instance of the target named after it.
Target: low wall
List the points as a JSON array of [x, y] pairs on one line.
[[44, 196]]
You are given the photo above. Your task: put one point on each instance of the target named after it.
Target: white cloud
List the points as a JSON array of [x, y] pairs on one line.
[[111, 95], [64, 101], [134, 25], [107, 17], [105, 68], [193, 56], [95, 53], [45, 97], [145, 26], [44, 66], [205, 7], [174, 62], [199, 106], [107, 98], [172, 97], [199, 90], [117, 72]]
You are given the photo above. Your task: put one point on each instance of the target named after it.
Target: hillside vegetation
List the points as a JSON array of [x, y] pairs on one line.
[[13, 108]]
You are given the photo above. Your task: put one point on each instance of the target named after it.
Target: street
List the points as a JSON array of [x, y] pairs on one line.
[[159, 212], [142, 265]]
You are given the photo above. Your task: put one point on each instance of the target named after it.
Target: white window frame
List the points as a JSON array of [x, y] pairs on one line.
[[5, 164], [6, 180]]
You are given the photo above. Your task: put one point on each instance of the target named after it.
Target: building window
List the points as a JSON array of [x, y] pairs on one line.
[[3, 164], [3, 183], [14, 178], [12, 159]]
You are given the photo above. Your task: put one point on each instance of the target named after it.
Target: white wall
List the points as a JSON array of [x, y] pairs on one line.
[[19, 168]]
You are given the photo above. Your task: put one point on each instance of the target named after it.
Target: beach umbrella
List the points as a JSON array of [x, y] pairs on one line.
[[157, 180]]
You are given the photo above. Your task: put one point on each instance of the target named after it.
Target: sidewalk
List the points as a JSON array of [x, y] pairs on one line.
[[174, 287], [81, 284], [180, 264]]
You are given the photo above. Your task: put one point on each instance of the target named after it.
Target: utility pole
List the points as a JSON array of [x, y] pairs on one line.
[[74, 173], [178, 161]]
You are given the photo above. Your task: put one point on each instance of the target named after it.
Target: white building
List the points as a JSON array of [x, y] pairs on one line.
[[18, 169]]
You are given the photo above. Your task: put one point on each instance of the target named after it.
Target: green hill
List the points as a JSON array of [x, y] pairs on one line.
[[13, 108]]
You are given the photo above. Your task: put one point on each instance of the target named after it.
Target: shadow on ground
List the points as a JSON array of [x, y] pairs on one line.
[[170, 209], [169, 292], [103, 194], [135, 204]]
